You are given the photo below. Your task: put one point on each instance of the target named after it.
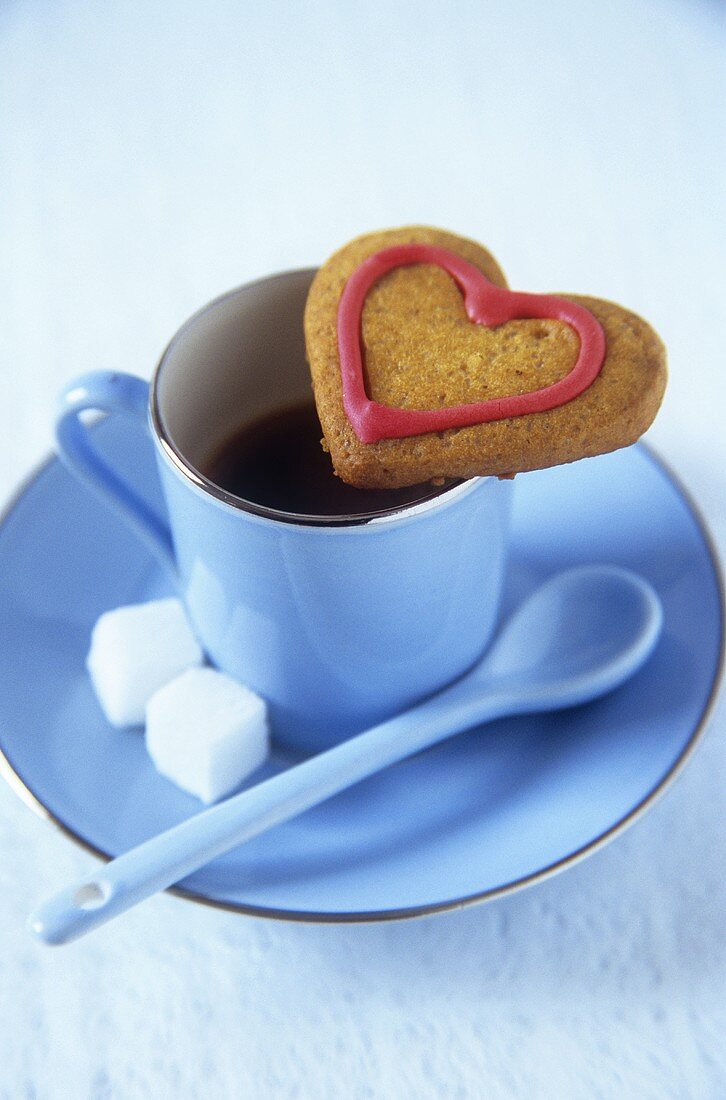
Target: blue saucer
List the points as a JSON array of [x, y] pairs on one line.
[[488, 812]]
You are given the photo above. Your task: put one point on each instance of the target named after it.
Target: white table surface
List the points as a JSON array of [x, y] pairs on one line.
[[153, 155]]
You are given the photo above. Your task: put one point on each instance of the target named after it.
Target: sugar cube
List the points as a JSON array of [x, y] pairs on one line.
[[206, 732], [134, 651]]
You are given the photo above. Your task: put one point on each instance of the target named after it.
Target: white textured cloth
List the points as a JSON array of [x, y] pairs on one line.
[[154, 155]]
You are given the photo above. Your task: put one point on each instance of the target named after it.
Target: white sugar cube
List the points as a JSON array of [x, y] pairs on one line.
[[206, 732], [134, 651]]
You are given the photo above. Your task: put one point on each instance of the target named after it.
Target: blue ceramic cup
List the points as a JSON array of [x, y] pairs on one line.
[[338, 622]]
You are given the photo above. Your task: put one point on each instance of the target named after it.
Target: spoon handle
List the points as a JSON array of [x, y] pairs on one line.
[[174, 854]]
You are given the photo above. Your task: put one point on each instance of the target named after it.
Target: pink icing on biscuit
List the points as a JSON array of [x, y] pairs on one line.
[[486, 304]]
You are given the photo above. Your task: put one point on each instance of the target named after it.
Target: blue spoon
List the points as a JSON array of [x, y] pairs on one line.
[[577, 637]]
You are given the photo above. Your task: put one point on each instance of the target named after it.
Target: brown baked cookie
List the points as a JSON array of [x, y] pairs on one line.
[[541, 390]]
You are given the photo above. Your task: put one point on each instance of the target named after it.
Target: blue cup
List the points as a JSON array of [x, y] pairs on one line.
[[338, 622]]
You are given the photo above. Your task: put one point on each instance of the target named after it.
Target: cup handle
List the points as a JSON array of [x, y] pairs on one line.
[[127, 395]]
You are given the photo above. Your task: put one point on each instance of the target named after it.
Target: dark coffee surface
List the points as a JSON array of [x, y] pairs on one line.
[[278, 462]]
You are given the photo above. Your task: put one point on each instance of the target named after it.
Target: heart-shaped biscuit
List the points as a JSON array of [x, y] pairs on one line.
[[486, 304], [425, 366]]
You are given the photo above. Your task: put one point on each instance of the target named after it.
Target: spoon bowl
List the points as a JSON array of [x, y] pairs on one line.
[[580, 634]]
